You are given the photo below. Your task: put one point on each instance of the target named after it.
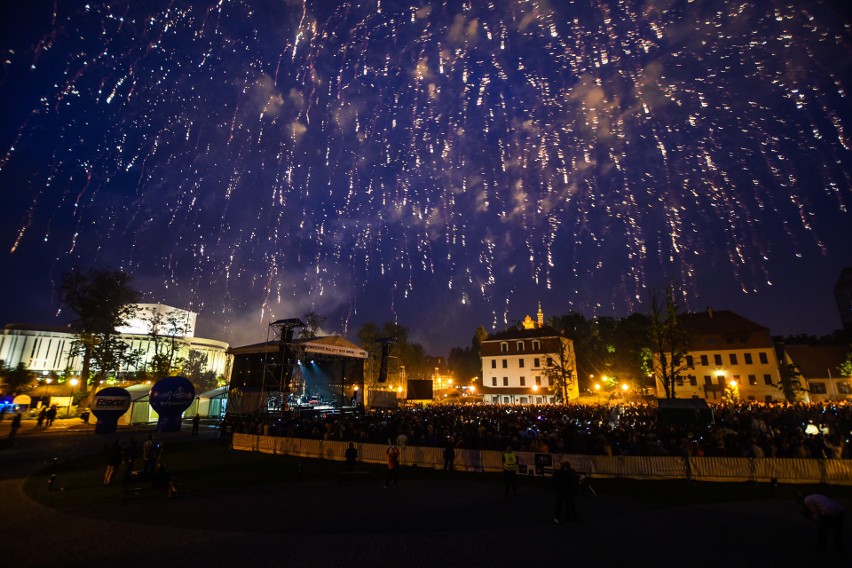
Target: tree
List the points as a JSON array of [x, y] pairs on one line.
[[16, 379], [313, 325], [790, 383], [669, 341], [845, 367], [195, 368], [102, 300], [166, 332], [560, 370]]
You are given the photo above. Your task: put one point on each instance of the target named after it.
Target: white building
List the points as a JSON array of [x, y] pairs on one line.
[[47, 349], [725, 350], [515, 364]]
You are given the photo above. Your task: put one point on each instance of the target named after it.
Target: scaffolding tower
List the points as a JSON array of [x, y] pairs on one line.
[[278, 365]]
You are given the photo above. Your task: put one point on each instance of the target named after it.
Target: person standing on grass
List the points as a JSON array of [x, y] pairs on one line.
[[351, 456], [828, 515], [510, 471], [115, 456], [392, 454], [149, 456], [16, 424], [565, 482]]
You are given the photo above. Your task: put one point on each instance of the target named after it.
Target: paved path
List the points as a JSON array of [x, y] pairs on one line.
[[428, 523]]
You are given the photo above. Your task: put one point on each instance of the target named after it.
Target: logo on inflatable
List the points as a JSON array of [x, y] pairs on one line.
[[108, 405], [169, 398]]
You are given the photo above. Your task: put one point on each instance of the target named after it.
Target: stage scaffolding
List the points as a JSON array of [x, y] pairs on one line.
[[279, 379]]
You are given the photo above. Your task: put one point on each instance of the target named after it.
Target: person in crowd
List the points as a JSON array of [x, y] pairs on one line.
[[149, 456], [196, 423]]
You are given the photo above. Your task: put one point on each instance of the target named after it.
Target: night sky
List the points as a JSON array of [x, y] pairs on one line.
[[439, 164]]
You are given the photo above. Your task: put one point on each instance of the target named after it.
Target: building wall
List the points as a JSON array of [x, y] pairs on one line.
[[513, 370], [46, 352], [714, 368]]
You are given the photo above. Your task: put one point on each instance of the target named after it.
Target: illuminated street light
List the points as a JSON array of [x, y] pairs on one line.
[[625, 387]]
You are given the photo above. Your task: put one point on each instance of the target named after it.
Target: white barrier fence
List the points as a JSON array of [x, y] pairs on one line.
[[782, 470]]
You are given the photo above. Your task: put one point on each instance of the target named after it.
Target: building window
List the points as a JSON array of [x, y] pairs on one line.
[[767, 380], [689, 361], [538, 381], [493, 363], [523, 381], [768, 398], [752, 380], [751, 398], [844, 388], [705, 361], [764, 360], [549, 362], [747, 357], [817, 388], [505, 381], [536, 362], [708, 380], [717, 359], [520, 363], [693, 380], [679, 381], [520, 345], [733, 357], [505, 400], [721, 380], [536, 345], [494, 381], [504, 347], [505, 363]]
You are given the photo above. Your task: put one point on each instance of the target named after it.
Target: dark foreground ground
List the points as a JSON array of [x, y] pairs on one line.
[[238, 509]]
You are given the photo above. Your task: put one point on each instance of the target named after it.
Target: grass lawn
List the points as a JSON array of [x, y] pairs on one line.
[[208, 467]]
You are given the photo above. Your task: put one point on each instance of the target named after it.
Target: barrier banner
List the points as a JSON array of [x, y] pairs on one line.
[[311, 448], [492, 460], [334, 451], [243, 442], [280, 446], [469, 460], [838, 472], [721, 469], [266, 444]]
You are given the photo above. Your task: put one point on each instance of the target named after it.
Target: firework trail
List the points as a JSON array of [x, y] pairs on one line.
[[269, 150]]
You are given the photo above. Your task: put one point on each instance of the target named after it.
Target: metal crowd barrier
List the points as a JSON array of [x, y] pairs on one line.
[[766, 470]]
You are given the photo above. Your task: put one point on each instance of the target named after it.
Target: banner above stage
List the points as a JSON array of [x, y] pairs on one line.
[[333, 345]]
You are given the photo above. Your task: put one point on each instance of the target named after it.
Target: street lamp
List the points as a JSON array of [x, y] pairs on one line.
[[598, 391]]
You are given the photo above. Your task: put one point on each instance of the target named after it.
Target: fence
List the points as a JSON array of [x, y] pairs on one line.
[[782, 470]]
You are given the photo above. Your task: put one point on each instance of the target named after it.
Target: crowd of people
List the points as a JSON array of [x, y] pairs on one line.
[[746, 429]]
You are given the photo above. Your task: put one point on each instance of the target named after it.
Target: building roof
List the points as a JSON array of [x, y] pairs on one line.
[[515, 333], [720, 322], [818, 360]]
